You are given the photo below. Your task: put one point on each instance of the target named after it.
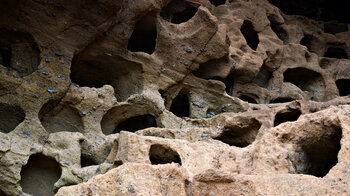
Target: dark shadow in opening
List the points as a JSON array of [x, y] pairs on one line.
[[240, 134], [250, 35], [286, 116], [180, 106], [10, 117], [217, 2], [179, 11], [263, 78], [308, 41], [19, 52], [87, 160], [247, 99], [306, 80], [282, 100], [334, 28], [229, 82], [159, 154], [343, 86], [144, 36], [39, 175], [136, 123], [336, 52]]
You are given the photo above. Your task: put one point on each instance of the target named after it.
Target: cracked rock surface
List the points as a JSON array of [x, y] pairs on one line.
[[175, 97]]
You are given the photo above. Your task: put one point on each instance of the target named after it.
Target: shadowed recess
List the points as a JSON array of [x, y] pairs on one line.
[[282, 100], [87, 160], [286, 116], [144, 36], [250, 35], [247, 99], [179, 11], [316, 156], [39, 175], [229, 82], [159, 154], [309, 41], [180, 106], [19, 52], [306, 80], [136, 123], [343, 86], [95, 71], [241, 133], [325, 10], [336, 52], [217, 2], [263, 78], [278, 29], [57, 118], [334, 28], [10, 117]]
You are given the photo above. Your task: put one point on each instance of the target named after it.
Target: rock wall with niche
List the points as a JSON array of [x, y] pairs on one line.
[[188, 97]]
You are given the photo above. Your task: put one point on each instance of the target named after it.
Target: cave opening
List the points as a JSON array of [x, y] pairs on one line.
[[247, 99], [308, 41], [318, 156], [324, 10], [250, 35], [19, 52], [229, 82], [282, 100], [241, 134], [286, 116], [39, 175], [136, 123], [56, 118], [306, 80], [87, 160], [179, 11], [10, 117], [334, 28], [263, 78], [95, 71], [343, 86], [159, 154], [144, 36], [180, 106], [336, 52], [217, 2]]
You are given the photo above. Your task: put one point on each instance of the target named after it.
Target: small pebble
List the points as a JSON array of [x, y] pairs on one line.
[[131, 189], [52, 91], [47, 60], [209, 115], [27, 133], [185, 63], [188, 50], [82, 113]]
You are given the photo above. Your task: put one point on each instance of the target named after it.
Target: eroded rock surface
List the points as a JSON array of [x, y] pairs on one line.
[[174, 97]]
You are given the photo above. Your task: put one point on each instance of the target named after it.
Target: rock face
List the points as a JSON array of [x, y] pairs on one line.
[[175, 97]]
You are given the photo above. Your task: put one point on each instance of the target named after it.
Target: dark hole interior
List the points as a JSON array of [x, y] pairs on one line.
[[308, 41], [5, 57], [179, 11], [263, 78], [10, 117], [180, 106], [229, 81], [87, 160], [306, 80], [318, 156], [250, 35], [247, 99], [343, 86], [144, 36], [278, 29], [159, 154], [56, 118], [19, 52], [39, 175], [336, 52], [96, 71], [217, 2], [334, 28], [241, 134], [136, 123], [325, 10], [286, 116], [282, 100], [2, 193]]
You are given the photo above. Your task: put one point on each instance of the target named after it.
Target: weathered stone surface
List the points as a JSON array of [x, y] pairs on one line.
[[174, 97]]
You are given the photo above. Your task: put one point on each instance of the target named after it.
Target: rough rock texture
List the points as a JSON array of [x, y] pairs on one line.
[[174, 97]]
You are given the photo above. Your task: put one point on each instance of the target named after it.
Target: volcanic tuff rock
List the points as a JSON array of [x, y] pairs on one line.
[[174, 97]]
